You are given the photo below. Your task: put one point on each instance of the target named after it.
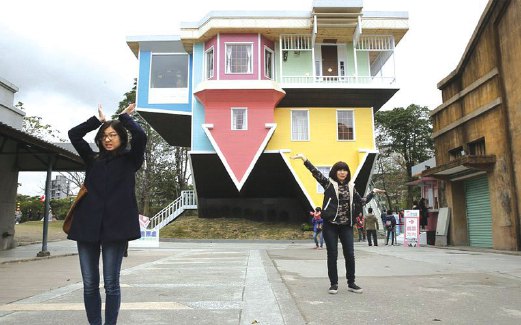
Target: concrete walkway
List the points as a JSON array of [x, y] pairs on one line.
[[269, 282]]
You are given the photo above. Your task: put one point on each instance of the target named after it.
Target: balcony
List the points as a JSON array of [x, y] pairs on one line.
[[331, 74]]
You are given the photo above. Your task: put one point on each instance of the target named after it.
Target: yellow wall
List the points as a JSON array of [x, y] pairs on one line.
[[323, 149]]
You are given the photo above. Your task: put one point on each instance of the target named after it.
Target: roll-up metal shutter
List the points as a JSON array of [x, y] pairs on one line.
[[479, 215]]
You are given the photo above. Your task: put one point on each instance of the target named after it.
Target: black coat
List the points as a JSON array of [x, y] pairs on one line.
[[330, 202], [109, 211]]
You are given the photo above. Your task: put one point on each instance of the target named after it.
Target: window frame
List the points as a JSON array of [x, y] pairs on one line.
[[308, 136], [227, 64], [168, 95], [208, 75], [353, 125], [245, 122], [272, 63], [320, 189]]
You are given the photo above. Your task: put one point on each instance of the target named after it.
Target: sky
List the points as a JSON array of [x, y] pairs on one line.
[[66, 57]]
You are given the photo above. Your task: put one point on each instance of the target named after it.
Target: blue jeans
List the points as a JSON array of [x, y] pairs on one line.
[[317, 235], [332, 233], [112, 254]]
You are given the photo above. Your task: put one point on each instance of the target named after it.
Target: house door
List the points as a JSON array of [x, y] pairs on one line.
[[329, 60], [479, 214]]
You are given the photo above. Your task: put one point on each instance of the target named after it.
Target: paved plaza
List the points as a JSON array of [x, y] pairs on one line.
[[269, 282]]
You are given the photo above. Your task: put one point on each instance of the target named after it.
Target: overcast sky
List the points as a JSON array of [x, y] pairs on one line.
[[67, 56]]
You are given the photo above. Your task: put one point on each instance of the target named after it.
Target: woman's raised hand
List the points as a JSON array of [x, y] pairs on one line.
[[130, 109], [101, 115], [299, 156]]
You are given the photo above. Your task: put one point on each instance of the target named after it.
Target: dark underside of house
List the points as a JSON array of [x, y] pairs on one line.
[[270, 193]]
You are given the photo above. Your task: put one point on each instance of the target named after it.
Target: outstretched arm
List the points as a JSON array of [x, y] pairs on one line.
[[321, 179]]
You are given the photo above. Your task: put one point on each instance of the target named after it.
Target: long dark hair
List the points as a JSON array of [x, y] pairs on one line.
[[120, 130], [340, 166]]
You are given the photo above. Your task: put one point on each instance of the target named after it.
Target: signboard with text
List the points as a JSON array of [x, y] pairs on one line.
[[412, 228], [149, 237]]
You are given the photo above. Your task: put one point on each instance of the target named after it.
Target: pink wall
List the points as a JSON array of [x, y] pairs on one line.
[[239, 146]]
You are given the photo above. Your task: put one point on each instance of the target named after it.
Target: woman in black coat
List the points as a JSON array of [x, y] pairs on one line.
[[340, 200], [107, 217]]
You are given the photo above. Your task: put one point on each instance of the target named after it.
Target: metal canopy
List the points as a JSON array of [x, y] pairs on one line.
[[461, 167], [33, 154]]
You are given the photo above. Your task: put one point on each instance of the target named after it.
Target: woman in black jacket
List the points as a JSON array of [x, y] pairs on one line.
[[340, 197], [107, 217]]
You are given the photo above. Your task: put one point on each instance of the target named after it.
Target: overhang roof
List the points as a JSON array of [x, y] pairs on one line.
[[337, 97], [34, 154], [461, 167]]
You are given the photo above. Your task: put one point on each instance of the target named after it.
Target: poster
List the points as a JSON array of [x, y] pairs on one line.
[[412, 228]]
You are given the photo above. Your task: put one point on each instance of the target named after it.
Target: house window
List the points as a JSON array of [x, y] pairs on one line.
[[345, 125], [268, 63], [169, 71], [456, 153], [325, 171], [209, 63], [239, 119], [477, 148], [299, 125], [239, 58], [169, 78]]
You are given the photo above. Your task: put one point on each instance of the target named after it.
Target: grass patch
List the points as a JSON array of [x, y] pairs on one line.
[[32, 232], [232, 228], [185, 227]]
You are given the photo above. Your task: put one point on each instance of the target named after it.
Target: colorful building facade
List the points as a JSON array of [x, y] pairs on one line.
[[246, 90]]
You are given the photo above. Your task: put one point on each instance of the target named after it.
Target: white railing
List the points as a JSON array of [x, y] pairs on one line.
[[296, 42], [375, 43], [360, 80], [187, 201]]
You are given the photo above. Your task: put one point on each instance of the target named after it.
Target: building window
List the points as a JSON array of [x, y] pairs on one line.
[[209, 63], [325, 171], [268, 63], [477, 148], [169, 71], [345, 125], [456, 153], [239, 119], [299, 125], [239, 58]]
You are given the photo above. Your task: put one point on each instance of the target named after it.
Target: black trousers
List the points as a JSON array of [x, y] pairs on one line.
[[332, 233], [372, 233]]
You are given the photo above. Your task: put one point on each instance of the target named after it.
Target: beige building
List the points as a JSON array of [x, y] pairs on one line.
[[477, 134]]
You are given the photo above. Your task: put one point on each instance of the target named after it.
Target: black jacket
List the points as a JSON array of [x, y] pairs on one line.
[[330, 202], [109, 211]]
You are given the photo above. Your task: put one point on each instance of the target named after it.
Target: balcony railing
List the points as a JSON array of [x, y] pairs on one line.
[[355, 81]]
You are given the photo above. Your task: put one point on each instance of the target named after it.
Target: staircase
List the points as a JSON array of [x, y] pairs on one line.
[[187, 201]]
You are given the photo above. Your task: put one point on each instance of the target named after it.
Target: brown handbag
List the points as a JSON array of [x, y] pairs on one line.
[[70, 215]]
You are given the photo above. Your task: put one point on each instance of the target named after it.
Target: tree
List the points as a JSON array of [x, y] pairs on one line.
[[164, 173], [404, 140], [34, 126]]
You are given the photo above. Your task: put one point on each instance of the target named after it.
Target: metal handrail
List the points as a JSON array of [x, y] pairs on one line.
[[187, 200]]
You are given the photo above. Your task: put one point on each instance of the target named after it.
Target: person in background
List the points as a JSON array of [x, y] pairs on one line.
[[340, 197], [317, 222], [390, 225], [107, 217], [360, 226], [424, 212], [371, 226]]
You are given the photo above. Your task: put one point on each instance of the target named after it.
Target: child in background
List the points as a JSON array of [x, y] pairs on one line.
[[317, 222]]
